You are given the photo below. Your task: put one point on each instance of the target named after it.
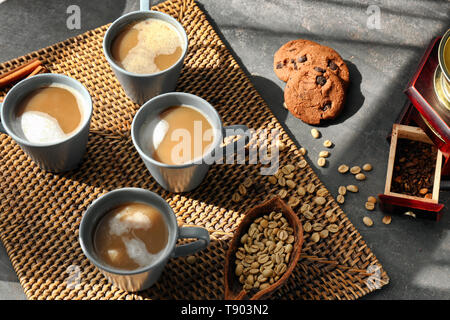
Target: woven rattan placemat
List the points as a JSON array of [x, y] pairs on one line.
[[40, 212]]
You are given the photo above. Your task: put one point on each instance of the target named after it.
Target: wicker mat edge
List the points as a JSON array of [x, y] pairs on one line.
[[306, 262]]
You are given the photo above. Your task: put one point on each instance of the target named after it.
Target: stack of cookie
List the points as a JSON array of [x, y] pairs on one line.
[[317, 79]]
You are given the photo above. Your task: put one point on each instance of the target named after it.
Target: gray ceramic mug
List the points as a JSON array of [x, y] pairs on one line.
[[142, 87], [187, 176], [142, 278], [55, 157]]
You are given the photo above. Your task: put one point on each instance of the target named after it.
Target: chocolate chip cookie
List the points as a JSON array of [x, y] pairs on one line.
[[291, 57], [301, 53], [313, 94]]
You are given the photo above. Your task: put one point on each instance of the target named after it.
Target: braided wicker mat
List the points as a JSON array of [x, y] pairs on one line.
[[40, 212]]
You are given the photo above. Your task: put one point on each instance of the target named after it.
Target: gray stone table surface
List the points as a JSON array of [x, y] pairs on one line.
[[381, 54]]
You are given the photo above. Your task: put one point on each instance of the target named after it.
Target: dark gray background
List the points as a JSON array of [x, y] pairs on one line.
[[415, 253]]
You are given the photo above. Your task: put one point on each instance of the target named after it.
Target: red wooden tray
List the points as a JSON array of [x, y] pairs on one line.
[[432, 116]]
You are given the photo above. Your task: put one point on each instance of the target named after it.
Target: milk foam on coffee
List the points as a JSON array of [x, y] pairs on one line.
[[39, 126], [180, 134], [147, 46], [131, 236]]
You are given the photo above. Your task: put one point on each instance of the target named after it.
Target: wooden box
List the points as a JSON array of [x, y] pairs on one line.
[[393, 202]]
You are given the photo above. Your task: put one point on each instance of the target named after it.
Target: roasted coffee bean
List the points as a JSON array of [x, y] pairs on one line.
[[414, 168]]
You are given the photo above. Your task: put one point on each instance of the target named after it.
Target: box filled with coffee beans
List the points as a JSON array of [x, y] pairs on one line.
[[413, 174]]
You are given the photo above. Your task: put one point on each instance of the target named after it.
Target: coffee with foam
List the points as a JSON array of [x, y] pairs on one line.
[[131, 236], [50, 114], [147, 46], [180, 134]]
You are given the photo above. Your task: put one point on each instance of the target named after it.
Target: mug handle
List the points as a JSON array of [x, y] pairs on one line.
[[190, 248], [2, 129], [145, 5]]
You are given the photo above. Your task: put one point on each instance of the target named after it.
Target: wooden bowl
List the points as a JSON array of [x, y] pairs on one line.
[[233, 288]]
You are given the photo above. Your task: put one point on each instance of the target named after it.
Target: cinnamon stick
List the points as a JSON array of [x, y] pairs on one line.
[[36, 71], [19, 72]]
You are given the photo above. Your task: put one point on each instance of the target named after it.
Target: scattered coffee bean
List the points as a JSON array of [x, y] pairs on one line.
[[340, 199], [283, 193], [333, 228], [327, 144], [360, 177], [342, 190], [423, 191], [367, 167], [352, 188], [301, 191], [320, 201], [248, 182], [370, 206], [372, 199], [307, 227], [293, 201], [367, 221], [315, 237], [236, 197], [322, 192], [291, 184], [315, 133], [343, 168], [321, 162], [387, 219], [355, 170], [324, 154], [310, 188], [302, 164], [242, 190], [324, 233], [191, 259]]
